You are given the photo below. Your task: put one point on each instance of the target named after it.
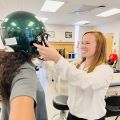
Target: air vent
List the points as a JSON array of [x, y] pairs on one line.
[[86, 8]]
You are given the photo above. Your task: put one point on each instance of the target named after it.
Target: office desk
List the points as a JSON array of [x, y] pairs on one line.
[[114, 88], [116, 79]]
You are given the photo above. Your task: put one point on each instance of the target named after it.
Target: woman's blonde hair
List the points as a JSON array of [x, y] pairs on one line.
[[100, 53]]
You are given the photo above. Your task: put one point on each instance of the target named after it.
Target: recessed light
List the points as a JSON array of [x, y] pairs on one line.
[[51, 6], [109, 12]]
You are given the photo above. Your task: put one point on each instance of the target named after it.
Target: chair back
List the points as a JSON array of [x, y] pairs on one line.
[[113, 101]]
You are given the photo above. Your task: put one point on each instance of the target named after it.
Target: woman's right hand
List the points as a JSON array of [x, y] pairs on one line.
[[48, 53]]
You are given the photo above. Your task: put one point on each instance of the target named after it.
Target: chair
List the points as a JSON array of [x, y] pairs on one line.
[[60, 103], [113, 104]]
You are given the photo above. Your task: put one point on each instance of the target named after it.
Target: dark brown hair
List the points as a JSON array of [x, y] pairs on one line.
[[100, 54], [10, 63]]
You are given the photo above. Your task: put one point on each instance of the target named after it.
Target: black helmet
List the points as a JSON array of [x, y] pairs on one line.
[[20, 30]]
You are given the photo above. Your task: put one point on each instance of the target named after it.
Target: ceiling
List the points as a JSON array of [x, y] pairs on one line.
[[66, 15]]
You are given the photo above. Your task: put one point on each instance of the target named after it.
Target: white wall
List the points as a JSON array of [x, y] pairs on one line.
[[60, 32], [112, 28], [61, 29], [83, 30]]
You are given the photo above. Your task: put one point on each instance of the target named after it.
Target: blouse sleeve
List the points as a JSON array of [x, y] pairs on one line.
[[101, 77]]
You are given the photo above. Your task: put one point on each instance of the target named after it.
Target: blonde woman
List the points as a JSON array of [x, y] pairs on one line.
[[88, 80]]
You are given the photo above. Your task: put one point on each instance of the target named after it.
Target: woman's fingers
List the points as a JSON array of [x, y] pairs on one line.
[[40, 46], [48, 53], [36, 45], [48, 44], [42, 49]]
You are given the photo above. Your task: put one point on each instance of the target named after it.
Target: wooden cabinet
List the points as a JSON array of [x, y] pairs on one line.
[[109, 43], [66, 46]]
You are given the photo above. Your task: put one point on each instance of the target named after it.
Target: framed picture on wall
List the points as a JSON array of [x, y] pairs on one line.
[[51, 34], [68, 34]]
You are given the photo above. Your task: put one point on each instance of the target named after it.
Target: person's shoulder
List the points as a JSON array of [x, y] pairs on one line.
[[104, 67], [26, 71], [27, 65]]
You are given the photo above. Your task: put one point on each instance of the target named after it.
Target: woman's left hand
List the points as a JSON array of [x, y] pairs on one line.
[[48, 53]]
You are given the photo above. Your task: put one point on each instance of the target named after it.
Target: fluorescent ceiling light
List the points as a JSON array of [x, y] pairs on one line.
[[51, 6], [109, 12], [42, 19], [82, 22]]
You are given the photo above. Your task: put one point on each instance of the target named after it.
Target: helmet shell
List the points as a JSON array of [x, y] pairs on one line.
[[19, 29]]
